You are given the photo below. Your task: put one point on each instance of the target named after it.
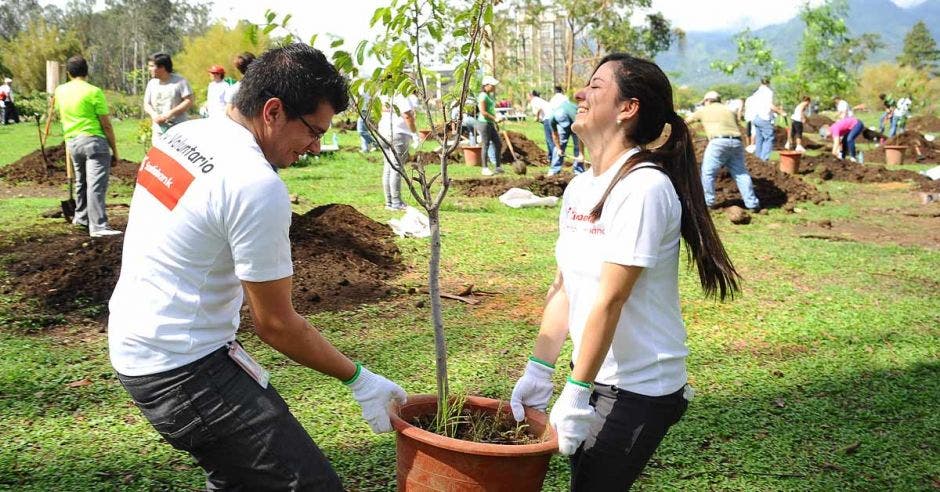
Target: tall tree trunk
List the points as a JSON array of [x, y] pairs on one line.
[[569, 57], [437, 316]]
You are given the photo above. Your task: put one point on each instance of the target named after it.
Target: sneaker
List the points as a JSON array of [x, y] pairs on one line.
[[105, 232], [80, 226], [786, 146], [486, 172], [498, 170], [396, 208], [800, 148], [551, 173], [750, 148], [852, 159]]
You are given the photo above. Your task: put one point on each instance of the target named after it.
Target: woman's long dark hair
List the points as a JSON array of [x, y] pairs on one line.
[[644, 81]]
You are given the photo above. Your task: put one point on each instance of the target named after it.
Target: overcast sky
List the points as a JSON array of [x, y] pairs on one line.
[[351, 19]]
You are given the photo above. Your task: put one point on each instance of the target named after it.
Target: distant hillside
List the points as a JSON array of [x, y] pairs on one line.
[[690, 66]]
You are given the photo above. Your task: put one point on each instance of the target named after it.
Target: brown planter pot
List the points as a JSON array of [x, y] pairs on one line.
[[894, 154], [423, 134], [790, 161], [428, 461], [473, 155]]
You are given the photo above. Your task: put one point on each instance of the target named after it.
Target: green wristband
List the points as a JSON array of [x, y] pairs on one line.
[[580, 383], [540, 361], [354, 376]]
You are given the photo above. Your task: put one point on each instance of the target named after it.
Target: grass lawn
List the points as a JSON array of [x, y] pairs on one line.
[[823, 375]]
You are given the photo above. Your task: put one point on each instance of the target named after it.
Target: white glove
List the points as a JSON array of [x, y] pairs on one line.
[[572, 416], [374, 393], [533, 389]]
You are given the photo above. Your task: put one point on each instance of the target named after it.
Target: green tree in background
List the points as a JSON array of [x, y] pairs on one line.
[[25, 55], [920, 50], [829, 57], [217, 46], [755, 58]]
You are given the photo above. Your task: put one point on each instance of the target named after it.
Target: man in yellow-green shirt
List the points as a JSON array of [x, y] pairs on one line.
[[88, 134]]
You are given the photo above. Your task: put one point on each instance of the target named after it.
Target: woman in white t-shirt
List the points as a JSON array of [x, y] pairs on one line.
[[616, 291]]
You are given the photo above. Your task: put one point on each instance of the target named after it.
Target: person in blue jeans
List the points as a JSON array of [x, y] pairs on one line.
[[562, 118], [764, 114], [724, 150]]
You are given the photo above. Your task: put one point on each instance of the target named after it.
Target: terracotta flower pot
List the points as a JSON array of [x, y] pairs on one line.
[[894, 154], [473, 155], [423, 134], [428, 461], [790, 161]]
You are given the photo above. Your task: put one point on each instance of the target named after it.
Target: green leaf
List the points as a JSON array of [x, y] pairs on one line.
[[313, 39], [287, 18], [269, 15], [361, 52], [336, 42], [268, 28]]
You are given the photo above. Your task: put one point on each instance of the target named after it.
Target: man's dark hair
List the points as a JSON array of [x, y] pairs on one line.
[[243, 60], [297, 74], [765, 81], [536, 94], [76, 66], [559, 89], [162, 60]]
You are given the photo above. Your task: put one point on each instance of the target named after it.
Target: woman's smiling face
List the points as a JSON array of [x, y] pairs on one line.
[[598, 103]]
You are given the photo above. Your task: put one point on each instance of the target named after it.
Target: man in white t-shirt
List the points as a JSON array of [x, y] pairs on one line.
[[396, 129], [542, 110], [167, 97], [208, 225], [843, 110], [215, 92], [764, 111]]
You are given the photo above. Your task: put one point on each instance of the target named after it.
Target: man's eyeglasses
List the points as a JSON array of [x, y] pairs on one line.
[[316, 133]]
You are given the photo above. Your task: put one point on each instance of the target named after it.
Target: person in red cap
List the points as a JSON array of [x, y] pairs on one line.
[[215, 94]]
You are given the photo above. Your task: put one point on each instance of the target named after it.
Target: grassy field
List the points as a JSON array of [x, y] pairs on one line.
[[823, 375]]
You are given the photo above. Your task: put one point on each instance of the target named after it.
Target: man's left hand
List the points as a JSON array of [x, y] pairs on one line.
[[572, 416]]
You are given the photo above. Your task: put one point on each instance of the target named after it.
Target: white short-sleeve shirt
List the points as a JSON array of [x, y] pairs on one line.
[[208, 212], [391, 125], [639, 226]]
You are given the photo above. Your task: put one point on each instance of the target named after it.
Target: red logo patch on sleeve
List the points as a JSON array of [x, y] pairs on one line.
[[164, 178]]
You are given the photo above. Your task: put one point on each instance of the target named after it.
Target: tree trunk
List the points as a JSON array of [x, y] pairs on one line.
[[437, 317], [569, 57]]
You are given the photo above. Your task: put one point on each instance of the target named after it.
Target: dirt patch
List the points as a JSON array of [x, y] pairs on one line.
[[341, 259], [918, 148], [526, 150], [34, 169], [494, 187], [815, 122], [827, 166], [426, 158], [924, 123]]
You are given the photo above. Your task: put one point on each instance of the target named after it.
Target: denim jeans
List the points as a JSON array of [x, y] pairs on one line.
[[365, 138], [91, 158], [848, 140], [727, 152], [764, 140], [391, 180], [549, 143], [241, 434], [623, 438], [564, 133]]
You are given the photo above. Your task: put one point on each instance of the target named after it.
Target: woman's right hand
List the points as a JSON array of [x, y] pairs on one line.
[[533, 389]]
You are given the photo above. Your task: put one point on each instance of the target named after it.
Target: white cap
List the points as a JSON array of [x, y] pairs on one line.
[[488, 80], [711, 96], [7, 80]]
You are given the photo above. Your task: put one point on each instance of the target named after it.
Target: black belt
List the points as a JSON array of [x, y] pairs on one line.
[[733, 137]]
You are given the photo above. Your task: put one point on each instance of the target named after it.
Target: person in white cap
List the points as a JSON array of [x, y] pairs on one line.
[[215, 92], [724, 150], [486, 125], [8, 110]]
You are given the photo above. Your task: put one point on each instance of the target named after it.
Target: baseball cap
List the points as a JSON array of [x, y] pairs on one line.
[[217, 69], [488, 80], [7, 80], [711, 96]]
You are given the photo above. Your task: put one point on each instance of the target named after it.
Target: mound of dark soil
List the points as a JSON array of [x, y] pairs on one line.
[[827, 167], [494, 187], [51, 170], [916, 144], [925, 123], [341, 259], [426, 158], [814, 122], [526, 150]]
